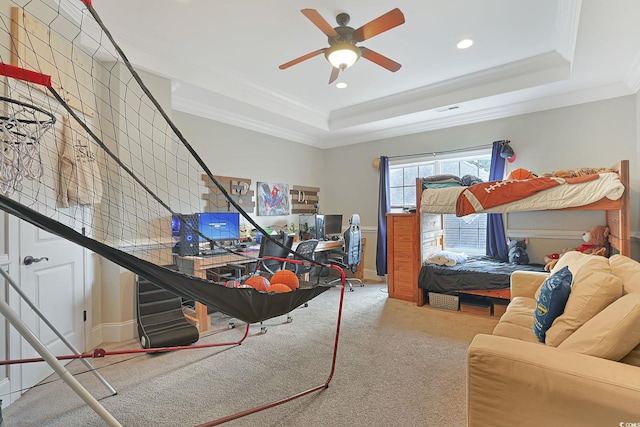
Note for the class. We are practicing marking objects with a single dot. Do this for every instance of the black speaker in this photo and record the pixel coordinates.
(189, 238)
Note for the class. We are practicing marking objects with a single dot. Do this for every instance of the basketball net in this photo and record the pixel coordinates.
(21, 129)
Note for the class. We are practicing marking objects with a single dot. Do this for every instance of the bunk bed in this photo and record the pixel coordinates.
(607, 192)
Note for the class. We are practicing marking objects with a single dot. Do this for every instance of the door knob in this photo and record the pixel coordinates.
(28, 260)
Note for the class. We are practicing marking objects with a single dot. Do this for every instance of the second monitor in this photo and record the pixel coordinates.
(332, 225)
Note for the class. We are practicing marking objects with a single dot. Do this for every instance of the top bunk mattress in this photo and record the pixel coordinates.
(544, 194)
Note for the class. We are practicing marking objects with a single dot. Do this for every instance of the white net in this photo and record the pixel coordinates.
(114, 153)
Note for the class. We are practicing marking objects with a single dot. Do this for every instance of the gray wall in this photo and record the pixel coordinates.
(236, 152)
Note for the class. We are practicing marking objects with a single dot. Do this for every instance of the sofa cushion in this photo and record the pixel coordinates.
(551, 301)
(633, 358)
(593, 289)
(517, 321)
(575, 260)
(610, 334)
(627, 270)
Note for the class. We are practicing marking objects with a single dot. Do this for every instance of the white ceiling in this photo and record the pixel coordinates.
(223, 56)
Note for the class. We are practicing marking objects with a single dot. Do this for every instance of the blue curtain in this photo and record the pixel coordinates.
(383, 210)
(496, 238)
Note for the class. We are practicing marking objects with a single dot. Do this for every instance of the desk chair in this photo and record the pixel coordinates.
(351, 255)
(305, 249)
(268, 248)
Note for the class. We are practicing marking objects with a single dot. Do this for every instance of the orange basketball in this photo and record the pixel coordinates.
(287, 277)
(278, 287)
(258, 282)
(519, 174)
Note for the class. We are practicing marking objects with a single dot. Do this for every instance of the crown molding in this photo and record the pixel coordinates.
(632, 78)
(210, 112)
(568, 20)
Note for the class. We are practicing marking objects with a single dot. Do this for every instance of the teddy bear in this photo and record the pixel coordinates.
(596, 240)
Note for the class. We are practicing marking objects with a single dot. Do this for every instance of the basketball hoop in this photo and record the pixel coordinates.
(21, 129)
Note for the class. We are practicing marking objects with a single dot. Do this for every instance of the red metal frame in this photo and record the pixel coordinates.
(24, 74)
(322, 386)
(100, 352)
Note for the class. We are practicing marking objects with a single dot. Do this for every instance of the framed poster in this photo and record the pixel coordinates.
(273, 199)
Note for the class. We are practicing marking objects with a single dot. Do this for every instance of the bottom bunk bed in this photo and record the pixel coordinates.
(474, 285)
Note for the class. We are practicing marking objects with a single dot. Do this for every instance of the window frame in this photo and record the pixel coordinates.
(437, 161)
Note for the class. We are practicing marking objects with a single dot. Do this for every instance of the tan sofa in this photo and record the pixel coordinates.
(586, 373)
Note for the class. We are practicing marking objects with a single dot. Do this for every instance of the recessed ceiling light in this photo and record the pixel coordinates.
(341, 85)
(463, 44)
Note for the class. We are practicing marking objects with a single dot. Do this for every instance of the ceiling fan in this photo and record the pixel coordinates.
(343, 52)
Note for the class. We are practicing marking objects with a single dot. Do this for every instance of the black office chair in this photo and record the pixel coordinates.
(305, 249)
(351, 255)
(269, 248)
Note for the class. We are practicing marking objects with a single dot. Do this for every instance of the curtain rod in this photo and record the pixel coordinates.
(435, 153)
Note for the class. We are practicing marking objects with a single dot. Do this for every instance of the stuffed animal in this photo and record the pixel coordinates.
(596, 241)
(518, 251)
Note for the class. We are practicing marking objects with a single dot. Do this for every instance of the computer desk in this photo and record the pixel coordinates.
(198, 266)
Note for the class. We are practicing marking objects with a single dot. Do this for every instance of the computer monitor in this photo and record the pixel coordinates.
(218, 226)
(333, 225)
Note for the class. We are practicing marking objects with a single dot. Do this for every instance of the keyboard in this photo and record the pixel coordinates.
(215, 251)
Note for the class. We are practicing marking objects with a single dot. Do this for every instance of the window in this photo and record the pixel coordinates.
(466, 234)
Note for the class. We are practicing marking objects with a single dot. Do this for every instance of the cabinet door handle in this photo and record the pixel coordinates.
(28, 260)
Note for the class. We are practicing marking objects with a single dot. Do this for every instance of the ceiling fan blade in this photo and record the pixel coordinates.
(302, 58)
(319, 22)
(334, 74)
(381, 60)
(389, 20)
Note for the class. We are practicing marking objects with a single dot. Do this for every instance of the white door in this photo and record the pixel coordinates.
(55, 284)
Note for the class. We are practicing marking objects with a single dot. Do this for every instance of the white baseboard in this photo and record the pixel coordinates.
(115, 332)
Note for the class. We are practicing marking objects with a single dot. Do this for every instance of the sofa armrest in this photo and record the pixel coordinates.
(526, 283)
(517, 383)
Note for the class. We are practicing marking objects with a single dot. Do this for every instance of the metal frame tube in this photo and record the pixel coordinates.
(69, 345)
(33, 340)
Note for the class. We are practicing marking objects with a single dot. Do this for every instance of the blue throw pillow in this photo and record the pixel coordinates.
(551, 301)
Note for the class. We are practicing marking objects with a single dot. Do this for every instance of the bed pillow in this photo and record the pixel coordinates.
(611, 334)
(551, 301)
(440, 181)
(447, 258)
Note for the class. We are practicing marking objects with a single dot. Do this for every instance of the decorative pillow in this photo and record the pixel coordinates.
(591, 292)
(551, 301)
(447, 258)
(610, 334)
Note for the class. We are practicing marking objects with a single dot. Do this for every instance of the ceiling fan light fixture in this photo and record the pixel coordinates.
(341, 84)
(343, 55)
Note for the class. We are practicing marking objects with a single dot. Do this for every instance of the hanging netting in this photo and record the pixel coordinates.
(88, 153)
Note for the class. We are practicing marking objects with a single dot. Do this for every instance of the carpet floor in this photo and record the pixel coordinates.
(397, 364)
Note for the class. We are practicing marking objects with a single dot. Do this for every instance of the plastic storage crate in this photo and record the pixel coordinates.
(446, 301)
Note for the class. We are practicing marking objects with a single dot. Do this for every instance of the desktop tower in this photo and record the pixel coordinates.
(189, 238)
